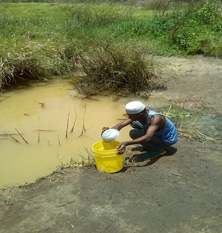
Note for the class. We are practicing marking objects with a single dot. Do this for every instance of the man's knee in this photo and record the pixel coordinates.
(136, 133)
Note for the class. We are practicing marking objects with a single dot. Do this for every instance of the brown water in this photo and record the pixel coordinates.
(40, 114)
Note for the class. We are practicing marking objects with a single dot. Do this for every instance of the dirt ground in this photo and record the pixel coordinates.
(194, 82)
(180, 192)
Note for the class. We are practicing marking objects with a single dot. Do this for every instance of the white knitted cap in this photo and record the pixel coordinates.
(135, 107)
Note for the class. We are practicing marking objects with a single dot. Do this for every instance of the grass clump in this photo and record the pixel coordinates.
(194, 126)
(5, 199)
(33, 64)
(112, 69)
(36, 61)
(85, 161)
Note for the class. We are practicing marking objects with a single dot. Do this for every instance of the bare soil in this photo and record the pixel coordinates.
(193, 82)
(180, 192)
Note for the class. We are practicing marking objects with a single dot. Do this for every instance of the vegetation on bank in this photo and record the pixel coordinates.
(107, 42)
(108, 70)
(193, 125)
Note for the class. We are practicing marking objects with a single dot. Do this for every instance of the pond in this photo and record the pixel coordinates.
(46, 125)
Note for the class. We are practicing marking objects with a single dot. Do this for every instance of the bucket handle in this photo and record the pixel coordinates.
(110, 160)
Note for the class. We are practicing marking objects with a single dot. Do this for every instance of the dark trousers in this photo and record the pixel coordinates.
(154, 143)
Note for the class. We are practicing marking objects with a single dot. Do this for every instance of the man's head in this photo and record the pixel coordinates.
(136, 110)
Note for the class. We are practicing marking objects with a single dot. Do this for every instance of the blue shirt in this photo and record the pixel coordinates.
(168, 134)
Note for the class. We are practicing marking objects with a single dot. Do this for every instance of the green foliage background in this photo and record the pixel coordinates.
(40, 40)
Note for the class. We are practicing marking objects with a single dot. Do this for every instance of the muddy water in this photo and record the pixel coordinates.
(44, 115)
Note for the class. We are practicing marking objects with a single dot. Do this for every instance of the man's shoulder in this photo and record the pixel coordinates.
(156, 118)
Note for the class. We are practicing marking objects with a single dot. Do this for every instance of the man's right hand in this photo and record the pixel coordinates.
(104, 129)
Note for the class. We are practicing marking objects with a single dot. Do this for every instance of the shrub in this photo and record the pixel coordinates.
(189, 31)
(34, 62)
(114, 69)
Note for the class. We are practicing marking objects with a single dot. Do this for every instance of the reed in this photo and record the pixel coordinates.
(67, 125)
(17, 141)
(59, 140)
(22, 136)
(74, 122)
(39, 136)
(83, 125)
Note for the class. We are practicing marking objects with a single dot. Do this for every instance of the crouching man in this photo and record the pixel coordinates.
(152, 130)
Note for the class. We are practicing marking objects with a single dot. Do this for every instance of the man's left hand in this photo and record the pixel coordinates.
(121, 147)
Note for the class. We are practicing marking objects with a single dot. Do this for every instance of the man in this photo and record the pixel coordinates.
(151, 129)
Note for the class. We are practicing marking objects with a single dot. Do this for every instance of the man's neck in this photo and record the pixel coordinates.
(145, 117)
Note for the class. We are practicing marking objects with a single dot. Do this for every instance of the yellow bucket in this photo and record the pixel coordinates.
(106, 156)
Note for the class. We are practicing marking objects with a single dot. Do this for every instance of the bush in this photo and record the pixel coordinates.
(189, 31)
(114, 69)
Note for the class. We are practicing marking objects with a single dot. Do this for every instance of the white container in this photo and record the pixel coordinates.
(110, 135)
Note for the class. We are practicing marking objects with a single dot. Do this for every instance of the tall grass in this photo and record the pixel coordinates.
(41, 40)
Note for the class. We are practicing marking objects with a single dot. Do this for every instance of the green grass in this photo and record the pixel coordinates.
(5, 199)
(86, 160)
(194, 125)
(41, 40)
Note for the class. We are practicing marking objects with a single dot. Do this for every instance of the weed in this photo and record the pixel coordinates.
(86, 161)
(5, 199)
(191, 125)
(61, 166)
(40, 178)
(8, 186)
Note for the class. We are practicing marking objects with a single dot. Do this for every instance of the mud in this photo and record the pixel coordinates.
(178, 192)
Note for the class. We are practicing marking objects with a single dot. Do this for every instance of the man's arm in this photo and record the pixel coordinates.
(155, 124)
(120, 125)
(149, 134)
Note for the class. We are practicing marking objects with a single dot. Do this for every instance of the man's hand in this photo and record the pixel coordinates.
(121, 147)
(104, 129)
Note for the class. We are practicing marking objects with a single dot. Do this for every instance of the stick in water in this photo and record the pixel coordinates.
(74, 122)
(83, 127)
(39, 131)
(39, 136)
(22, 137)
(14, 139)
(67, 126)
(58, 140)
